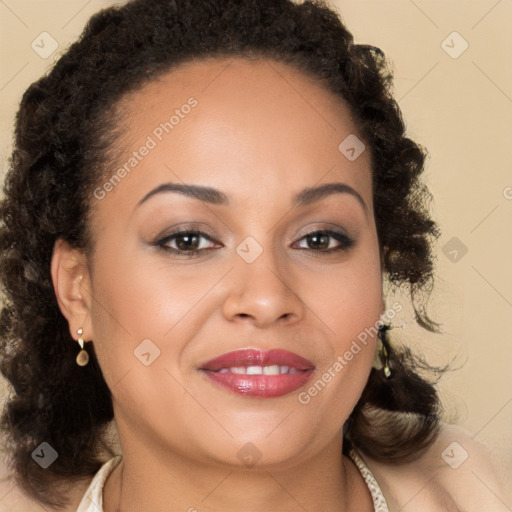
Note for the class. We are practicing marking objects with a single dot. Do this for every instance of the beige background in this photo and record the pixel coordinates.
(460, 109)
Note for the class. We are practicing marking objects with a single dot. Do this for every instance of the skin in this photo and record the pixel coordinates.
(260, 133)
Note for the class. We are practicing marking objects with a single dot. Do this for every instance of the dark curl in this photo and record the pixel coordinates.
(66, 131)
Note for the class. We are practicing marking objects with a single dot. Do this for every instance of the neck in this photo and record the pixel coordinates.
(144, 480)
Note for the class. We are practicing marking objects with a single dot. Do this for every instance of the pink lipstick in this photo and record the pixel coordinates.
(262, 374)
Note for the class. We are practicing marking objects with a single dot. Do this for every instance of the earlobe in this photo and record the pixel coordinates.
(71, 284)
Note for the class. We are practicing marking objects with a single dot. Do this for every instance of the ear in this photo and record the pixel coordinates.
(72, 286)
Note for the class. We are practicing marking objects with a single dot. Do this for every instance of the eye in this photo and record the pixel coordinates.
(327, 240)
(185, 242)
(188, 242)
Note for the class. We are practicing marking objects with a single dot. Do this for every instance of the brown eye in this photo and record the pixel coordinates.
(325, 241)
(185, 242)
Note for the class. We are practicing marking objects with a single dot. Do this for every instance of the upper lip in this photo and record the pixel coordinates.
(255, 357)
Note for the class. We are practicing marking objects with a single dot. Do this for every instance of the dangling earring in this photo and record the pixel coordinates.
(83, 357)
(385, 351)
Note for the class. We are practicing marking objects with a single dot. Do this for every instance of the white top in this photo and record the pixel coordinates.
(93, 497)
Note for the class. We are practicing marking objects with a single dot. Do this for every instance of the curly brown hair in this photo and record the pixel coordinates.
(66, 132)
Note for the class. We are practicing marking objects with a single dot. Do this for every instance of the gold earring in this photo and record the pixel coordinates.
(83, 357)
(385, 350)
(386, 369)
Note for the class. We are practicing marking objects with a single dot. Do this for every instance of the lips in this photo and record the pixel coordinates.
(252, 357)
(263, 374)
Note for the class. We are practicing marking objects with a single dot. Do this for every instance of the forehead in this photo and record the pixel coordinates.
(240, 125)
(225, 86)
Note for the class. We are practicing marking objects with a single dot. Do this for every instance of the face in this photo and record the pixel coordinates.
(258, 268)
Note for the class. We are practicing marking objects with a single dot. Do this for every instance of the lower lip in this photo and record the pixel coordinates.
(260, 386)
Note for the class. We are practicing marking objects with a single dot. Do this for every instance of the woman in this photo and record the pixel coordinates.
(204, 199)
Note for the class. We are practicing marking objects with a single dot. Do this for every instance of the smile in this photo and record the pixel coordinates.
(256, 373)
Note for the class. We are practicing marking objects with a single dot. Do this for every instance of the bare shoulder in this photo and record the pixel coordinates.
(13, 499)
(457, 473)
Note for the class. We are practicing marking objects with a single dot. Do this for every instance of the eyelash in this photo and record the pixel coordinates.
(345, 241)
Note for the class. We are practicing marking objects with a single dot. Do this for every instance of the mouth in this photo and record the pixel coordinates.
(256, 373)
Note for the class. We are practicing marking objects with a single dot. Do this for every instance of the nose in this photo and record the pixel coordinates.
(263, 292)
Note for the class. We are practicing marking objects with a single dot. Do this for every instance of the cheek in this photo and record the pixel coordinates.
(139, 298)
(349, 304)
(349, 300)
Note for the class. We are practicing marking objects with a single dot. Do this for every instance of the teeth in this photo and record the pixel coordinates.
(271, 370)
(254, 370)
(260, 370)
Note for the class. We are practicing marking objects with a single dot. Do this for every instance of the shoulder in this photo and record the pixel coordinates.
(457, 473)
(13, 499)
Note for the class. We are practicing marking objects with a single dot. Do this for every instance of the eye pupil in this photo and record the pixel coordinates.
(323, 238)
(189, 240)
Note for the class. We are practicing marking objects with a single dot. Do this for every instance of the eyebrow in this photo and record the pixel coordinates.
(214, 196)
